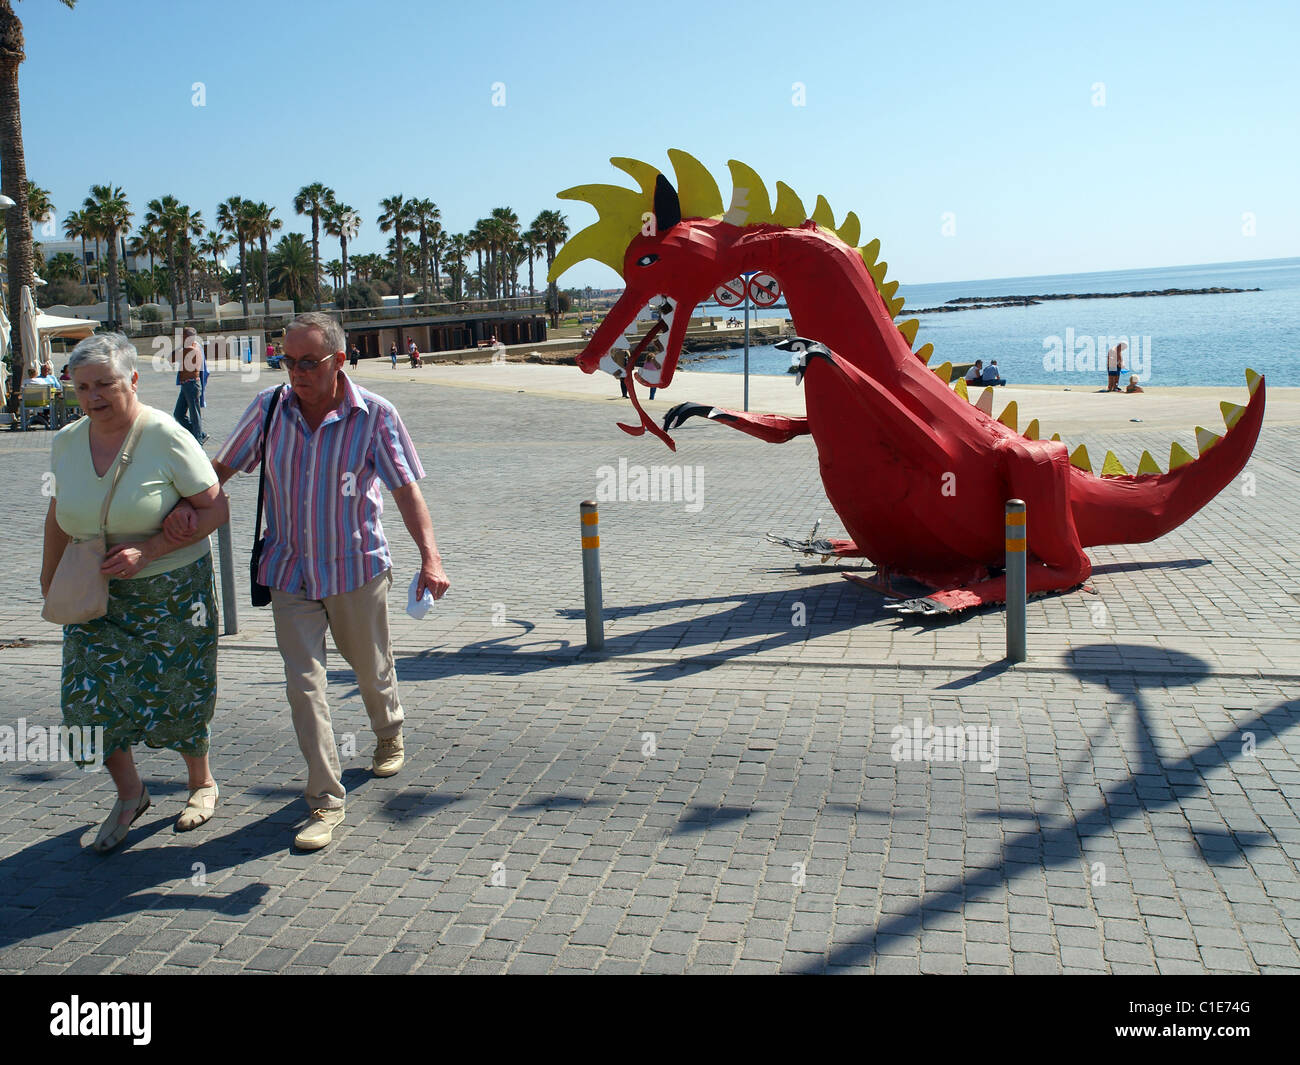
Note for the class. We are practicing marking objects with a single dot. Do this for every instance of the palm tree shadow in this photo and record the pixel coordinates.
(1154, 784)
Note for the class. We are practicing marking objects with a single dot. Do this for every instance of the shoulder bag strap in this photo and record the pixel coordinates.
(261, 477)
(123, 461)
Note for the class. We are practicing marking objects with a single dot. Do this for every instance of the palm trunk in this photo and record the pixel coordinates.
(85, 270)
(243, 276)
(315, 253)
(343, 241)
(172, 279)
(401, 271)
(13, 165)
(424, 264)
(112, 279)
(189, 287)
(266, 278)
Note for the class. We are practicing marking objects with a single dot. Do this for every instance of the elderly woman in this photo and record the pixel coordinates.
(146, 671)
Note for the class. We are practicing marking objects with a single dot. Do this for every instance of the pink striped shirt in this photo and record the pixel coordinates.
(323, 534)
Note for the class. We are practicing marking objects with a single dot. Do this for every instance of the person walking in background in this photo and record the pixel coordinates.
(1114, 364)
(325, 558)
(145, 672)
(189, 367)
(354, 356)
(392, 354)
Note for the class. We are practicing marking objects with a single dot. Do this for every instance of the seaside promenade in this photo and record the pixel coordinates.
(733, 785)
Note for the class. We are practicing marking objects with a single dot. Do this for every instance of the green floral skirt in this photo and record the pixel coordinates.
(146, 671)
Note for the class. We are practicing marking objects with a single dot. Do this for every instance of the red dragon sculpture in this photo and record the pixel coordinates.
(918, 474)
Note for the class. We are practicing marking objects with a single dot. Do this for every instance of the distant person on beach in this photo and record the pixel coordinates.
(992, 375)
(354, 356)
(1133, 385)
(392, 354)
(1114, 363)
(975, 372)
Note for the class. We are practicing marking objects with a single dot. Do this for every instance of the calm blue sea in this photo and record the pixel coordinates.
(1176, 340)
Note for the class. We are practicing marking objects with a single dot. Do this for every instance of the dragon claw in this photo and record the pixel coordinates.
(925, 606)
(808, 547)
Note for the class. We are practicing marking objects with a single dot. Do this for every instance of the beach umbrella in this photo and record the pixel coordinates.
(28, 333)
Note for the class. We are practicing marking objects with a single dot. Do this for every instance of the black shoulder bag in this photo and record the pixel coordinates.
(261, 593)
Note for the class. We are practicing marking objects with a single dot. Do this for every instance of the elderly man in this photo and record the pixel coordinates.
(325, 559)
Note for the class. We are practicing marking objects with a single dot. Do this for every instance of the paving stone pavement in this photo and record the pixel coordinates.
(726, 790)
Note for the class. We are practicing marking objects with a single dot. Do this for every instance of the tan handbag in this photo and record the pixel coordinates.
(79, 591)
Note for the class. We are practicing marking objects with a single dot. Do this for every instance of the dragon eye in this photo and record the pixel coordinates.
(646, 260)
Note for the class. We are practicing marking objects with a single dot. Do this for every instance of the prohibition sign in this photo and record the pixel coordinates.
(731, 294)
(764, 290)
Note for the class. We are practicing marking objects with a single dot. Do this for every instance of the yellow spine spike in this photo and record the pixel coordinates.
(643, 173)
(869, 252)
(877, 273)
(1010, 415)
(1146, 464)
(750, 204)
(1080, 459)
(961, 389)
(1231, 413)
(607, 239)
(789, 209)
(697, 192)
(1205, 439)
(924, 352)
(850, 230)
(908, 329)
(944, 372)
(1056, 438)
(888, 290)
(1031, 430)
(1112, 467)
(1178, 456)
(823, 215)
(895, 305)
(1252, 381)
(985, 402)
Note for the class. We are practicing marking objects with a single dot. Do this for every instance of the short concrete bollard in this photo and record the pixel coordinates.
(226, 564)
(1017, 578)
(591, 593)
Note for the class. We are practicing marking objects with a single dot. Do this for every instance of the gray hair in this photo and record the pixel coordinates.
(109, 349)
(330, 330)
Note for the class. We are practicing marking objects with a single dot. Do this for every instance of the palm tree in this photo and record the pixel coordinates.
(506, 229)
(164, 216)
(397, 216)
(293, 268)
(39, 204)
(62, 266)
(478, 242)
(230, 217)
(536, 248)
(335, 269)
(214, 244)
(552, 228)
(261, 223)
(315, 200)
(425, 214)
(457, 248)
(108, 206)
(343, 222)
(74, 226)
(13, 173)
(191, 227)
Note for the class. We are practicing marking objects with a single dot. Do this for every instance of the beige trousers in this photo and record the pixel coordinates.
(358, 621)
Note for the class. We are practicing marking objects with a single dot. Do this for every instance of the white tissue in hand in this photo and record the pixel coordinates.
(417, 608)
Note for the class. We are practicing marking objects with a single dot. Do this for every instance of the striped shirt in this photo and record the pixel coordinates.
(323, 534)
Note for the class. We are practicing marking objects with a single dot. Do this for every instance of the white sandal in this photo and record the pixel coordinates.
(112, 831)
(198, 809)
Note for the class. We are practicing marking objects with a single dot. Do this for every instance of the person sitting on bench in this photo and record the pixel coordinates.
(975, 372)
(991, 375)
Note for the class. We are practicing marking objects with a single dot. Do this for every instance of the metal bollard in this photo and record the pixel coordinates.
(1017, 579)
(226, 559)
(591, 594)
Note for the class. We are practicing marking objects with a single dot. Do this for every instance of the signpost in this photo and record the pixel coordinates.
(763, 289)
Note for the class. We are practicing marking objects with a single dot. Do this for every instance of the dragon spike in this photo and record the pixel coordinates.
(696, 189)
(644, 174)
(1178, 456)
(850, 230)
(789, 209)
(605, 241)
(895, 305)
(1112, 467)
(985, 402)
(749, 200)
(1031, 430)
(1205, 440)
(1146, 464)
(888, 290)
(877, 273)
(1231, 413)
(944, 372)
(823, 215)
(1010, 415)
(908, 329)
(961, 389)
(1252, 380)
(1079, 459)
(1056, 438)
(924, 352)
(869, 252)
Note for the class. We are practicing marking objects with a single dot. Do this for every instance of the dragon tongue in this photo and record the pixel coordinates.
(646, 421)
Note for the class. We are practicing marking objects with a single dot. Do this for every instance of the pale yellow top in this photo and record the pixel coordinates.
(168, 465)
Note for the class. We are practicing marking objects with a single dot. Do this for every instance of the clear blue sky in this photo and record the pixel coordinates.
(912, 110)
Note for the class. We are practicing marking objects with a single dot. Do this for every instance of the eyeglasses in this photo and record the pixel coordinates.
(305, 365)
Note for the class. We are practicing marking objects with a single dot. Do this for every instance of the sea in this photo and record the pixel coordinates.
(1173, 340)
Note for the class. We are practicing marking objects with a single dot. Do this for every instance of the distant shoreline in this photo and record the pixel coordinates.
(983, 303)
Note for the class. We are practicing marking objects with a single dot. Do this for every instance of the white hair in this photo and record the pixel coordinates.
(107, 349)
(330, 330)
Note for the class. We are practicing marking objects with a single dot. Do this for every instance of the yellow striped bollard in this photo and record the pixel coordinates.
(1017, 578)
(591, 593)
